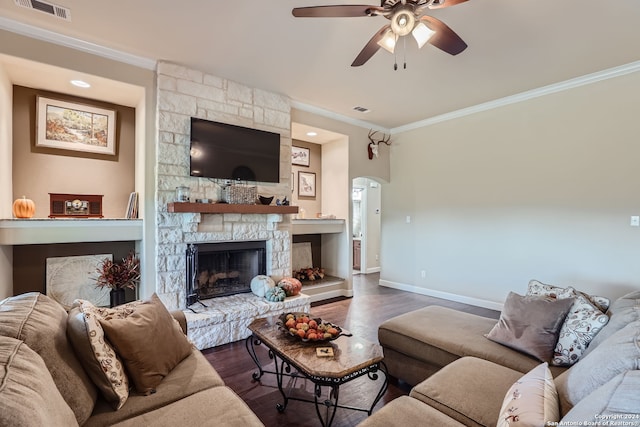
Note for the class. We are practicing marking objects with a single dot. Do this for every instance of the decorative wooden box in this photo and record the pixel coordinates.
(75, 205)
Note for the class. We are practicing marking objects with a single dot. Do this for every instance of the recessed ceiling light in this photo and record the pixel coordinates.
(80, 83)
(312, 133)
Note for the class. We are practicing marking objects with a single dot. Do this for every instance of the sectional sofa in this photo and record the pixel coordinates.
(55, 369)
(462, 377)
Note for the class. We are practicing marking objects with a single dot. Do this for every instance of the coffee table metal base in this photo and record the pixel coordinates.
(283, 368)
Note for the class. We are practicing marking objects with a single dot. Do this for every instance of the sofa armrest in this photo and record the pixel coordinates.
(181, 318)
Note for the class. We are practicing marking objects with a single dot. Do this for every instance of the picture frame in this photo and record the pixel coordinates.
(73, 126)
(300, 156)
(306, 184)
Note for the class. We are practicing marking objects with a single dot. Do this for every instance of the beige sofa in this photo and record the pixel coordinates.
(43, 381)
(462, 378)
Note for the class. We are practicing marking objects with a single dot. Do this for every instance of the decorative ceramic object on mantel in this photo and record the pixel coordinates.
(119, 276)
(24, 208)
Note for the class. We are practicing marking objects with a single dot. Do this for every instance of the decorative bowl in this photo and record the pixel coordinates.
(265, 200)
(325, 331)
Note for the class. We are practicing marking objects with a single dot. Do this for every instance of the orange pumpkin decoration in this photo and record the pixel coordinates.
(24, 208)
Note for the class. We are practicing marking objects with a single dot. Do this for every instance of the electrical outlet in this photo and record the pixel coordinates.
(423, 274)
(635, 221)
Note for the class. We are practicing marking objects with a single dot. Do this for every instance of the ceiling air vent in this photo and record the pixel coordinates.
(46, 7)
(361, 109)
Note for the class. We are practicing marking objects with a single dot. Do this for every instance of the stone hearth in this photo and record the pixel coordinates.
(226, 319)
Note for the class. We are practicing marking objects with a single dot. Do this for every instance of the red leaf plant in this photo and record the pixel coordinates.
(124, 274)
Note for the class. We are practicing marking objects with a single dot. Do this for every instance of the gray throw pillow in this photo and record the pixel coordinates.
(623, 311)
(531, 324)
(616, 403)
(619, 353)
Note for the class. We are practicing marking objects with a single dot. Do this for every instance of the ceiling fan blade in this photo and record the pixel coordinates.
(339, 11)
(446, 3)
(444, 38)
(370, 48)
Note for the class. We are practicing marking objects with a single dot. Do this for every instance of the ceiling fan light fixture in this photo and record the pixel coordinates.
(388, 41)
(403, 22)
(422, 34)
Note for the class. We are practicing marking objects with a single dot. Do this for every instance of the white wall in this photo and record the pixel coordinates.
(539, 189)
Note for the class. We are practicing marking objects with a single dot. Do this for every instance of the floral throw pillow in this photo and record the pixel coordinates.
(96, 353)
(581, 325)
(584, 320)
(531, 401)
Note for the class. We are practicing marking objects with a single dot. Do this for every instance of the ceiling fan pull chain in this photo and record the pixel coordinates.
(404, 51)
(395, 61)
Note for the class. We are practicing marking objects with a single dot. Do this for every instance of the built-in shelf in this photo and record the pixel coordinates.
(317, 226)
(68, 230)
(220, 208)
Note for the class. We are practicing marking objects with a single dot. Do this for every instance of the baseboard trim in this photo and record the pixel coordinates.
(331, 294)
(444, 295)
(372, 270)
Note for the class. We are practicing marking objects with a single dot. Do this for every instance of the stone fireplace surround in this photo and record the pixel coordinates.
(184, 93)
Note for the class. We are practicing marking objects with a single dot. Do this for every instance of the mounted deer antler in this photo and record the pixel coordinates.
(372, 147)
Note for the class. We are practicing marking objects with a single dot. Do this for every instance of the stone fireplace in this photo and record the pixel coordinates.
(184, 93)
(223, 268)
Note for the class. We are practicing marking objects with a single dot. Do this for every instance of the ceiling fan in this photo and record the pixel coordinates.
(406, 16)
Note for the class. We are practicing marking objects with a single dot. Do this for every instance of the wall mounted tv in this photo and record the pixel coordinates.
(230, 152)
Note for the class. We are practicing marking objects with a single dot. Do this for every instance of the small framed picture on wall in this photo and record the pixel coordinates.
(306, 184)
(299, 156)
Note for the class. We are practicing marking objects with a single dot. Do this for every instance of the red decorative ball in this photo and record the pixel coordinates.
(290, 286)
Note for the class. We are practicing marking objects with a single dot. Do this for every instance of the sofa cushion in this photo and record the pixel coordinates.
(28, 394)
(435, 336)
(532, 401)
(483, 385)
(407, 411)
(531, 324)
(191, 376)
(41, 323)
(617, 402)
(149, 341)
(213, 407)
(619, 353)
(96, 353)
(622, 312)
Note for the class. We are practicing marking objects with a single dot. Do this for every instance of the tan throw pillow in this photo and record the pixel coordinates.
(531, 324)
(28, 395)
(148, 342)
(531, 401)
(96, 354)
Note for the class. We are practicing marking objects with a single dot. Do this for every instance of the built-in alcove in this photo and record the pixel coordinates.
(30, 261)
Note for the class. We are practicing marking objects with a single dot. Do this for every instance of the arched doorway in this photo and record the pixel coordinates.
(366, 200)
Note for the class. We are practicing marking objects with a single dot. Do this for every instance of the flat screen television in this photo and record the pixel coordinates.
(224, 151)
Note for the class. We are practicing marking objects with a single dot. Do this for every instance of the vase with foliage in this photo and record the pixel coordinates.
(118, 276)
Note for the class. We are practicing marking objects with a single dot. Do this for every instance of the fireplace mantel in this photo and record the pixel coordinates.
(221, 208)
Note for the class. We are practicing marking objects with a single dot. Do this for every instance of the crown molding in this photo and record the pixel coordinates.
(524, 96)
(71, 42)
(335, 116)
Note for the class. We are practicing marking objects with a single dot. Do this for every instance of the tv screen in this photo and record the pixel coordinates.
(224, 151)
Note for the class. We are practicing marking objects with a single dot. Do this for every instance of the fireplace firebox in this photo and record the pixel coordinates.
(221, 269)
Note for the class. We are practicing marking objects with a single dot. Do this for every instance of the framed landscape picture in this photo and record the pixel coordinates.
(77, 127)
(306, 184)
(299, 156)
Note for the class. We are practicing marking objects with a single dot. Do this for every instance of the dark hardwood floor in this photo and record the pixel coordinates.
(371, 305)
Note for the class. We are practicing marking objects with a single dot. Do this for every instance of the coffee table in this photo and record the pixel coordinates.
(352, 358)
